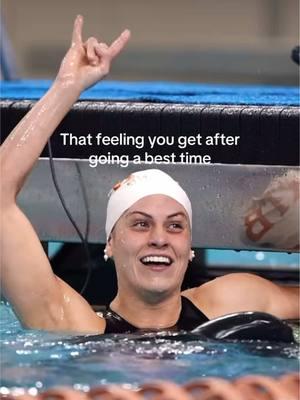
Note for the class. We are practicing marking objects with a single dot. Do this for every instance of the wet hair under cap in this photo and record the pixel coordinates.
(139, 185)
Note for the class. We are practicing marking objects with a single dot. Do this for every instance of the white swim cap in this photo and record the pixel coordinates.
(141, 184)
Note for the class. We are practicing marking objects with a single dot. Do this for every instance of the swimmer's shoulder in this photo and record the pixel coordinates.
(87, 322)
(199, 299)
(94, 324)
(229, 293)
(77, 314)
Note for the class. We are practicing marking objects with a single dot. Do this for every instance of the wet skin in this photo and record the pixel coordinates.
(156, 226)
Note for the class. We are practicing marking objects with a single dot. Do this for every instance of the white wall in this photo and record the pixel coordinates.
(197, 40)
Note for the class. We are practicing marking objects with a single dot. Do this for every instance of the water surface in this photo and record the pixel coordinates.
(33, 359)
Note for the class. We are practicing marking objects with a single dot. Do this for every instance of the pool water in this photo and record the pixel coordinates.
(33, 359)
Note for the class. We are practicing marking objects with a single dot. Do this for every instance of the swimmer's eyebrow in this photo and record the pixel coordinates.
(138, 212)
(179, 213)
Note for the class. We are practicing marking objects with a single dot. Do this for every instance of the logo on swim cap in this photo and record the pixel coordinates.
(127, 181)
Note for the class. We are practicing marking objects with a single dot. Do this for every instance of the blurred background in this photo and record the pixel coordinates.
(230, 41)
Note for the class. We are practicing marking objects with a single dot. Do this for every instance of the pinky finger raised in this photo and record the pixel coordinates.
(117, 46)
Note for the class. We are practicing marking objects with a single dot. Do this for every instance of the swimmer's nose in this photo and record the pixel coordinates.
(158, 237)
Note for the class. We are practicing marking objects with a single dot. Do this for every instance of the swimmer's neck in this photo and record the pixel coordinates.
(143, 314)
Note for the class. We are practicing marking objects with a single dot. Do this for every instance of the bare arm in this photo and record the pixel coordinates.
(84, 65)
(40, 299)
(246, 292)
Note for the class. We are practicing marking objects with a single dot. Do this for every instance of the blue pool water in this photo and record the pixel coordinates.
(32, 359)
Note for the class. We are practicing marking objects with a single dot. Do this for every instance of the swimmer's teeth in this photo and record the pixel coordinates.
(156, 259)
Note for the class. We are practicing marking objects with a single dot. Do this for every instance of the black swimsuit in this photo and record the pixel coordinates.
(190, 317)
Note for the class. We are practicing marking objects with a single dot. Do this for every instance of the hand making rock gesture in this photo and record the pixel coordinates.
(89, 62)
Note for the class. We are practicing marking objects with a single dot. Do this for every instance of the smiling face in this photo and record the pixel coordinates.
(151, 246)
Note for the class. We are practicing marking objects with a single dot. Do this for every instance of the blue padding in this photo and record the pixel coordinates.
(184, 93)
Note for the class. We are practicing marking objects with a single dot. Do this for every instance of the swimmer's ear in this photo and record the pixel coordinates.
(108, 247)
(192, 255)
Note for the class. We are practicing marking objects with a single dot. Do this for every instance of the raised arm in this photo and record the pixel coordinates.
(84, 65)
(40, 299)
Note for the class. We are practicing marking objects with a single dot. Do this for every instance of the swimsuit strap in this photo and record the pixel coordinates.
(190, 316)
(116, 324)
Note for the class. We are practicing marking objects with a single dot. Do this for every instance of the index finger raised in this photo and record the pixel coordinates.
(117, 46)
(77, 30)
